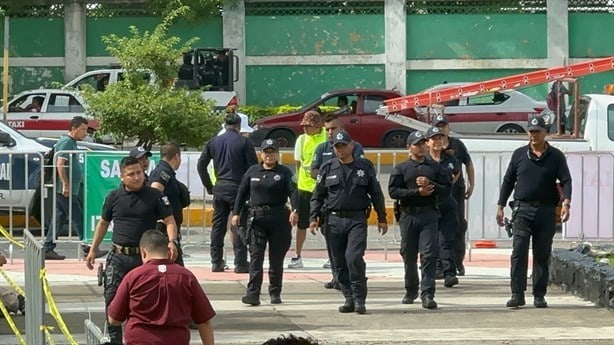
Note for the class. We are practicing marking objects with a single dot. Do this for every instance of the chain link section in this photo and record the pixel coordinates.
(475, 6)
(313, 8)
(591, 6)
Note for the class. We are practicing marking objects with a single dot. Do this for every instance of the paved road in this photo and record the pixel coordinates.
(471, 313)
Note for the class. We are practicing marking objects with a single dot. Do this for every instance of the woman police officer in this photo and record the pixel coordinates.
(448, 220)
(267, 186)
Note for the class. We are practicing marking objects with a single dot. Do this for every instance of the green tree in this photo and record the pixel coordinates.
(145, 105)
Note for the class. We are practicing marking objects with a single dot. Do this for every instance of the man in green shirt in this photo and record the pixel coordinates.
(304, 150)
(67, 183)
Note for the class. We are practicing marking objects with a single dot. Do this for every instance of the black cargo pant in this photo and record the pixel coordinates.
(329, 252)
(419, 235)
(118, 265)
(538, 222)
(272, 227)
(458, 193)
(448, 228)
(347, 235)
(224, 194)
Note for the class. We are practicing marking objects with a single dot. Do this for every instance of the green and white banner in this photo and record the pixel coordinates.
(102, 175)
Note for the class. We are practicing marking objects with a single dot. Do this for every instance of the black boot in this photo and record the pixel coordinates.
(251, 300)
(540, 302)
(428, 302)
(516, 301)
(359, 306)
(347, 307)
(409, 297)
(450, 280)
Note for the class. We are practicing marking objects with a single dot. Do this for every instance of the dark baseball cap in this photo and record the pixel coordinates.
(268, 144)
(433, 131)
(341, 137)
(415, 137)
(537, 123)
(139, 151)
(439, 119)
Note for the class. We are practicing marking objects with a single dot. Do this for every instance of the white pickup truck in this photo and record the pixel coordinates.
(596, 132)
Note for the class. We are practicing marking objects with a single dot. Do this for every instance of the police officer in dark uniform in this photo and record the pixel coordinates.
(267, 186)
(133, 208)
(347, 186)
(461, 189)
(325, 152)
(163, 178)
(143, 155)
(448, 210)
(232, 155)
(533, 173)
(416, 183)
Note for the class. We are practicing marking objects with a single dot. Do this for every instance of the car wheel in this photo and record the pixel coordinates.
(396, 139)
(511, 129)
(282, 137)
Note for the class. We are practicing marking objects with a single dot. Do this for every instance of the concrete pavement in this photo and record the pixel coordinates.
(472, 312)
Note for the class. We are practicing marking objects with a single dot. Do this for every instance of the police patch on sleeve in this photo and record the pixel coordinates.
(165, 201)
(165, 176)
(293, 178)
(319, 178)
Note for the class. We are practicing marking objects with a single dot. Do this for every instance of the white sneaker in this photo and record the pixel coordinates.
(326, 264)
(296, 262)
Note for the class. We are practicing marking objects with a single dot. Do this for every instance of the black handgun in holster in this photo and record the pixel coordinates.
(396, 208)
(102, 278)
(246, 219)
(508, 223)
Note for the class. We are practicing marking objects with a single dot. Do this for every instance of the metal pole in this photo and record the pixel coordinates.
(5, 72)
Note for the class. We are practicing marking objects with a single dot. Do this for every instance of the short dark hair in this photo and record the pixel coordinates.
(169, 150)
(290, 340)
(330, 117)
(154, 241)
(232, 119)
(128, 161)
(77, 121)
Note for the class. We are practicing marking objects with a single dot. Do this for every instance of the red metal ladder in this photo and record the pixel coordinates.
(429, 98)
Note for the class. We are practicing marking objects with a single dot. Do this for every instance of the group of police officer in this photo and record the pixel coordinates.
(346, 189)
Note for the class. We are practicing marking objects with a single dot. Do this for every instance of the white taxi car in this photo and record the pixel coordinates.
(46, 112)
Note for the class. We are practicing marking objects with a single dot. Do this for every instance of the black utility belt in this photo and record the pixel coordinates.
(266, 209)
(348, 214)
(116, 248)
(520, 203)
(417, 209)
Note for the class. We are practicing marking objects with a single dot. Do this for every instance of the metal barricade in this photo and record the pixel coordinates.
(93, 334)
(592, 176)
(35, 301)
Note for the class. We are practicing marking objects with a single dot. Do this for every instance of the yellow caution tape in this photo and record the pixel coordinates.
(11, 283)
(53, 308)
(46, 329)
(9, 319)
(10, 238)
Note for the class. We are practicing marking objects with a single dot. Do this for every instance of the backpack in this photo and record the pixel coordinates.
(551, 100)
(184, 194)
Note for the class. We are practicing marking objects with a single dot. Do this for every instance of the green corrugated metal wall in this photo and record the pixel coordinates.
(431, 36)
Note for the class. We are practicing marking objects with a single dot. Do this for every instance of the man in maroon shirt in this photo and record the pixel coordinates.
(159, 298)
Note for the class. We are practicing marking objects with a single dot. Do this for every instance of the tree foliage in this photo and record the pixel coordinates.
(199, 10)
(151, 109)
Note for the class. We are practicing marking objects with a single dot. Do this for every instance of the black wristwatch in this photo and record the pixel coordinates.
(175, 242)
